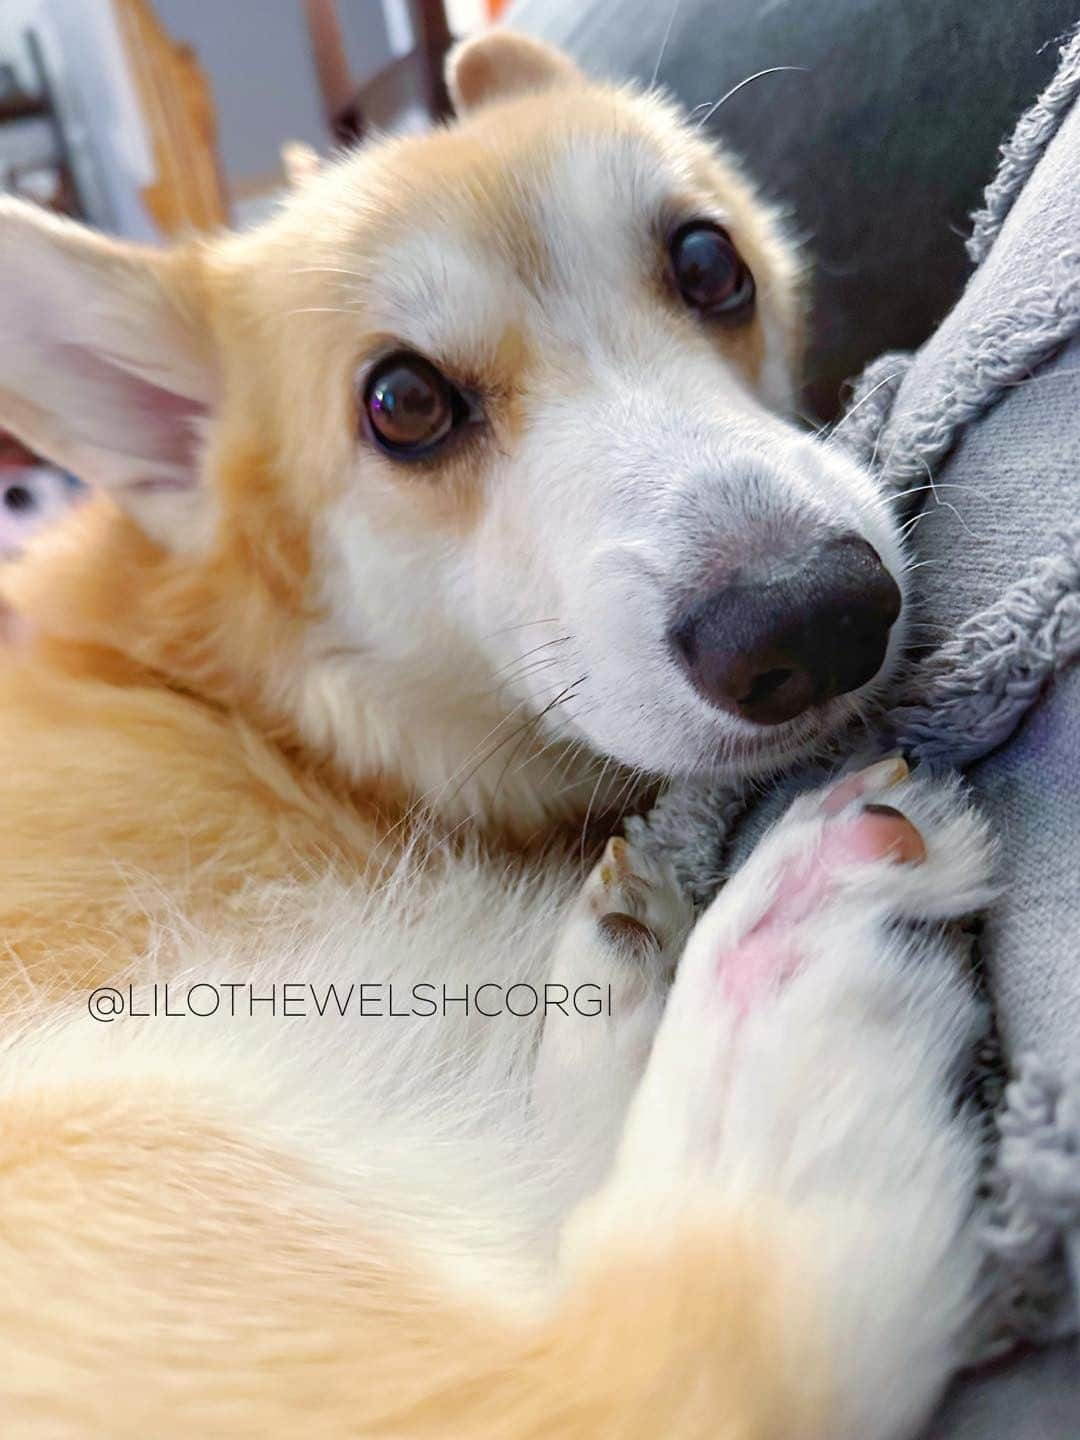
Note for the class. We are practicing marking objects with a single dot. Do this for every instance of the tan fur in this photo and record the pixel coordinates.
(503, 64)
(296, 1318)
(161, 759)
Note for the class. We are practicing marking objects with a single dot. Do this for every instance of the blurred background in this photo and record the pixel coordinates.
(147, 117)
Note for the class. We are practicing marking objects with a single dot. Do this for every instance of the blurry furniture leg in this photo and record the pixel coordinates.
(178, 108)
(433, 39)
(343, 113)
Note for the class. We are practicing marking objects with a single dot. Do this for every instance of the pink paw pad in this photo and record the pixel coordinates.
(769, 954)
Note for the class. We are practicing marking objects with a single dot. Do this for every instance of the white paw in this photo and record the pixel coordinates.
(806, 1065)
(797, 978)
(624, 935)
(869, 848)
(636, 906)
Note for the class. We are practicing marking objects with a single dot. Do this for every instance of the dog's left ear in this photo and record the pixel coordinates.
(499, 64)
(107, 365)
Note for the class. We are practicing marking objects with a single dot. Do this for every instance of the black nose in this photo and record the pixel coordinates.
(768, 648)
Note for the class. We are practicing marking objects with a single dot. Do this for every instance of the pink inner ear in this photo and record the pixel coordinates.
(132, 417)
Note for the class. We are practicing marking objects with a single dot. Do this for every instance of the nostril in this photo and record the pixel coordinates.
(18, 498)
(683, 636)
(765, 686)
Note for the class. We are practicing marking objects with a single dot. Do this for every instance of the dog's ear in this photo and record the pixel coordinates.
(499, 64)
(106, 365)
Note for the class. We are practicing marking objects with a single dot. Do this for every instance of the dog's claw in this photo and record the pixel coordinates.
(880, 776)
(636, 900)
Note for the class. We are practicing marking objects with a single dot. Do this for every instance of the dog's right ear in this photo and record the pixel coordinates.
(107, 365)
(499, 64)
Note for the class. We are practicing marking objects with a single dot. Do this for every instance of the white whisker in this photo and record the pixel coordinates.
(772, 70)
(664, 44)
(860, 403)
(326, 270)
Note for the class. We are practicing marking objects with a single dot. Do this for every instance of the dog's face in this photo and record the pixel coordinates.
(514, 391)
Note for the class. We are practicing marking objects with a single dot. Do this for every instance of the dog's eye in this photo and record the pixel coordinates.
(411, 406)
(709, 271)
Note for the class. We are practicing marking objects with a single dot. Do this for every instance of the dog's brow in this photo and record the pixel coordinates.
(441, 295)
(464, 262)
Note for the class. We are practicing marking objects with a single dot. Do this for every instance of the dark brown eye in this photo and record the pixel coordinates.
(412, 407)
(709, 271)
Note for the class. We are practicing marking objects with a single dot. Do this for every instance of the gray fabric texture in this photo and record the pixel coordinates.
(880, 145)
(1022, 153)
(1035, 1400)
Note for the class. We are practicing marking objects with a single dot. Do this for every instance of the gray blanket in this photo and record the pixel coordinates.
(988, 414)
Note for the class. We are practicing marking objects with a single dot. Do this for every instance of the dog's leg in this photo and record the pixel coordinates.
(807, 1064)
(613, 962)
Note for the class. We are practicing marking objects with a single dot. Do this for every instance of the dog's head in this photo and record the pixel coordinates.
(506, 404)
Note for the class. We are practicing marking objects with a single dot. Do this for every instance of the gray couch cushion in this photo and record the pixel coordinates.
(881, 148)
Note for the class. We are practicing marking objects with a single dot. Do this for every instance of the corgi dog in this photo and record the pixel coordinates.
(345, 1087)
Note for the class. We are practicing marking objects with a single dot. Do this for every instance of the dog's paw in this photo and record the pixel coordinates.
(635, 904)
(956, 875)
(625, 931)
(623, 934)
(871, 847)
(801, 1009)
